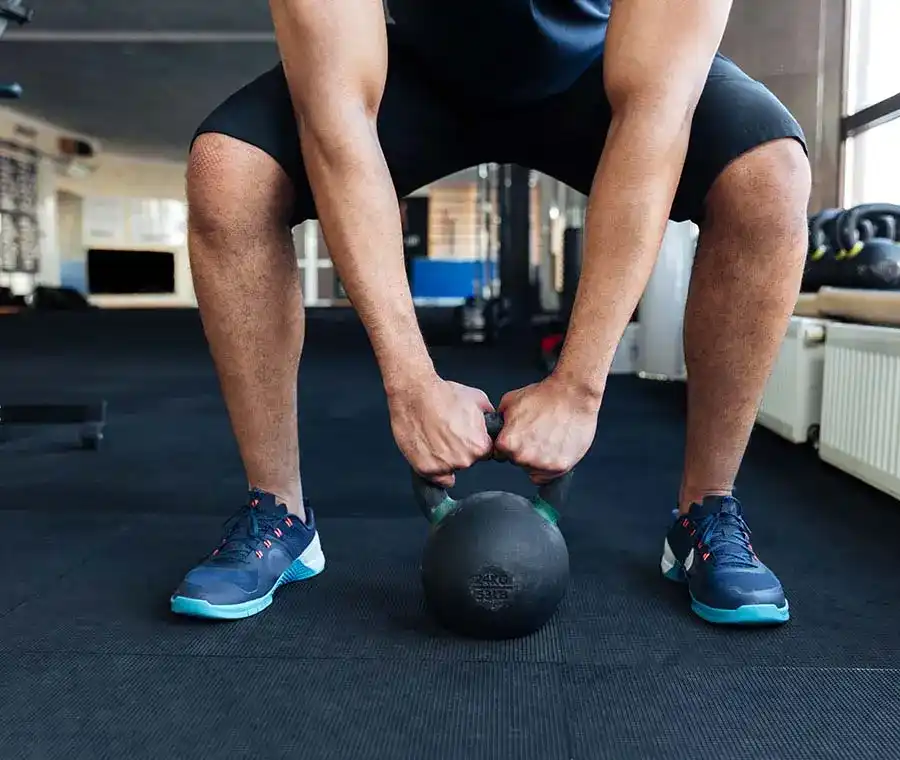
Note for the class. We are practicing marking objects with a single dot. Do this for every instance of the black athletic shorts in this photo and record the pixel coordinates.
(429, 129)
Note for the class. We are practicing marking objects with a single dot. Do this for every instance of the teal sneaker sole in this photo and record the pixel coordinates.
(307, 565)
(746, 615)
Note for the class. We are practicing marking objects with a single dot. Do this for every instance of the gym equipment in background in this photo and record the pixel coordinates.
(553, 332)
(43, 298)
(573, 240)
(19, 249)
(470, 320)
(12, 11)
(495, 565)
(886, 227)
(481, 320)
(20, 253)
(660, 352)
(865, 260)
(414, 223)
(485, 315)
(91, 419)
(819, 269)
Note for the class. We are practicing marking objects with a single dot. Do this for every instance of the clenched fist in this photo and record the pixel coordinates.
(548, 428)
(439, 427)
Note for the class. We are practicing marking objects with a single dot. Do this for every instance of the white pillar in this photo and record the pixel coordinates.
(48, 238)
(310, 262)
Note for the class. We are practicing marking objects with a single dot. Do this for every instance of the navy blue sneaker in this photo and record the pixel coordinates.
(710, 550)
(264, 548)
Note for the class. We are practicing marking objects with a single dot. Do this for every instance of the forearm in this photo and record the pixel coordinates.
(359, 213)
(335, 60)
(657, 58)
(625, 222)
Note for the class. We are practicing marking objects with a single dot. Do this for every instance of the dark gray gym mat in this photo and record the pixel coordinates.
(93, 665)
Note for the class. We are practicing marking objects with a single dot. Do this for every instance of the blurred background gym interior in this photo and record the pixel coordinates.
(118, 467)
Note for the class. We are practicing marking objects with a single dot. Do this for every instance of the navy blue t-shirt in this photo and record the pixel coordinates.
(504, 49)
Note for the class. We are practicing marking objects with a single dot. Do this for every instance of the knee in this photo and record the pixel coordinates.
(235, 189)
(764, 194)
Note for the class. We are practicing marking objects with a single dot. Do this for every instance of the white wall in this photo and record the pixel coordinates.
(122, 179)
(127, 177)
(67, 188)
(107, 175)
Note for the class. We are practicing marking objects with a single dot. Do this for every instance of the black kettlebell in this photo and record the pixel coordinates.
(819, 269)
(495, 565)
(869, 261)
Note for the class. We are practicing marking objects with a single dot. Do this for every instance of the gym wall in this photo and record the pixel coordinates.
(130, 204)
(64, 186)
(454, 236)
(796, 49)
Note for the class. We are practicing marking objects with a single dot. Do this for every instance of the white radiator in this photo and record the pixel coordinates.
(860, 431)
(792, 402)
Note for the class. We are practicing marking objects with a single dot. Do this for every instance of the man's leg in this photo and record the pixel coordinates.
(744, 286)
(242, 202)
(248, 289)
(246, 186)
(746, 181)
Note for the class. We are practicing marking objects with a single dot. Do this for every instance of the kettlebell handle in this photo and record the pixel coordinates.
(848, 235)
(818, 242)
(436, 503)
(493, 421)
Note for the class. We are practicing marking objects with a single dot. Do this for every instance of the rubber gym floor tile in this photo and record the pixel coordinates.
(367, 603)
(610, 627)
(42, 548)
(117, 600)
(733, 712)
(113, 707)
(626, 613)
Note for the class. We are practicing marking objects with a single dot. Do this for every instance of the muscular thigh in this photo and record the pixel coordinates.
(565, 135)
(425, 133)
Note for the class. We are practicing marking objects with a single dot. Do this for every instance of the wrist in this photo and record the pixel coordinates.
(585, 389)
(407, 376)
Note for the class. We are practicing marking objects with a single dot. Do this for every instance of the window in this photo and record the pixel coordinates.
(873, 53)
(871, 125)
(872, 166)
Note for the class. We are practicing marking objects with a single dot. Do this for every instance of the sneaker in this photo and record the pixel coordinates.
(710, 550)
(264, 547)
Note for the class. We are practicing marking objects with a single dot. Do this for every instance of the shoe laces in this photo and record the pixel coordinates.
(244, 530)
(728, 538)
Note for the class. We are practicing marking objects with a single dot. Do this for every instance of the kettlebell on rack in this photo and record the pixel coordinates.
(819, 270)
(868, 262)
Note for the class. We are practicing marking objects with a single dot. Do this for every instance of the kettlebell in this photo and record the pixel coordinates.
(495, 564)
(886, 227)
(868, 261)
(819, 269)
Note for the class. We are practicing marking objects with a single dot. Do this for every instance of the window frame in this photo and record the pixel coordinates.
(854, 123)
